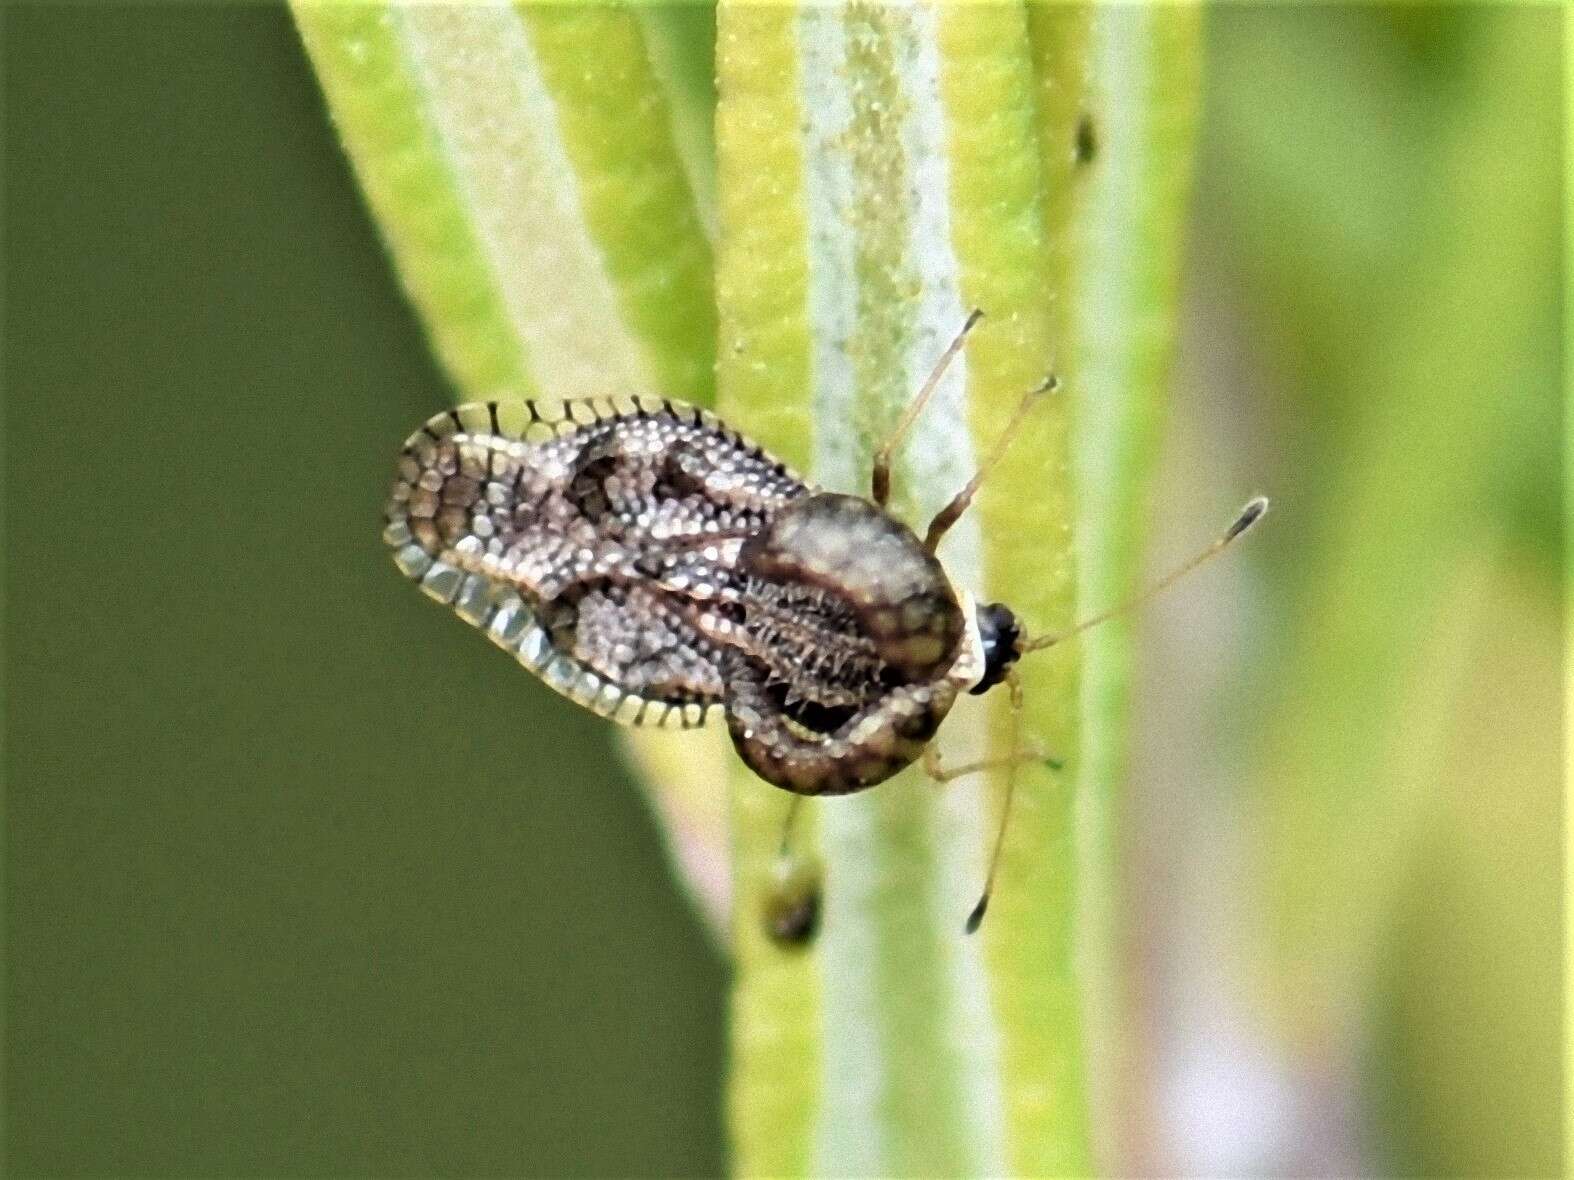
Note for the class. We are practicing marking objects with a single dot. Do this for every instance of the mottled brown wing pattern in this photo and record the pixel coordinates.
(596, 539)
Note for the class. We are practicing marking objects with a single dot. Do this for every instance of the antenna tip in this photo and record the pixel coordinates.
(1250, 515)
(972, 318)
(976, 918)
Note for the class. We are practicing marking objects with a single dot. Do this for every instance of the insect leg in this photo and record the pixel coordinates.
(1021, 751)
(880, 482)
(936, 769)
(792, 903)
(794, 805)
(953, 511)
(977, 916)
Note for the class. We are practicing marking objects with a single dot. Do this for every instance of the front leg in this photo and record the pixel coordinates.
(1031, 752)
(880, 478)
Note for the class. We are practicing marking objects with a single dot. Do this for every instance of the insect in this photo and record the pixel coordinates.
(659, 568)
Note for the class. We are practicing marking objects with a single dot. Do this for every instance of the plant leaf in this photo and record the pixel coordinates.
(534, 170)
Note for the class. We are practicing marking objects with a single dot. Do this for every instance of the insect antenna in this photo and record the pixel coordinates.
(953, 511)
(784, 849)
(880, 480)
(1014, 682)
(1249, 515)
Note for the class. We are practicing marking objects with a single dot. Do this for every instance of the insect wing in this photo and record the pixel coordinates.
(596, 539)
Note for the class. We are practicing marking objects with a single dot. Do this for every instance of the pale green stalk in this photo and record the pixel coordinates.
(534, 171)
(879, 170)
(879, 176)
(1568, 584)
(1138, 124)
(882, 169)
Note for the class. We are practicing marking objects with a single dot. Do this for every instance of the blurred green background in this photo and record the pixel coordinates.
(302, 878)
(1345, 839)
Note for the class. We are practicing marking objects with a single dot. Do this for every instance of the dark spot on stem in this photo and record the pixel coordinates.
(1086, 145)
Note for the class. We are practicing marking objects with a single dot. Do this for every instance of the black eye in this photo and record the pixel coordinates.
(999, 631)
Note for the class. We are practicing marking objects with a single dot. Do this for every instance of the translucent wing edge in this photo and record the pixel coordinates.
(498, 609)
(500, 613)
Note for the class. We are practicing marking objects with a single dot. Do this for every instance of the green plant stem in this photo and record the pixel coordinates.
(541, 175)
(879, 170)
(1131, 158)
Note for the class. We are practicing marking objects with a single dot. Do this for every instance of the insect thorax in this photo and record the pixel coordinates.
(847, 602)
(847, 675)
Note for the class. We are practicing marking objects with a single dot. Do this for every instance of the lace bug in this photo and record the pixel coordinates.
(657, 567)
